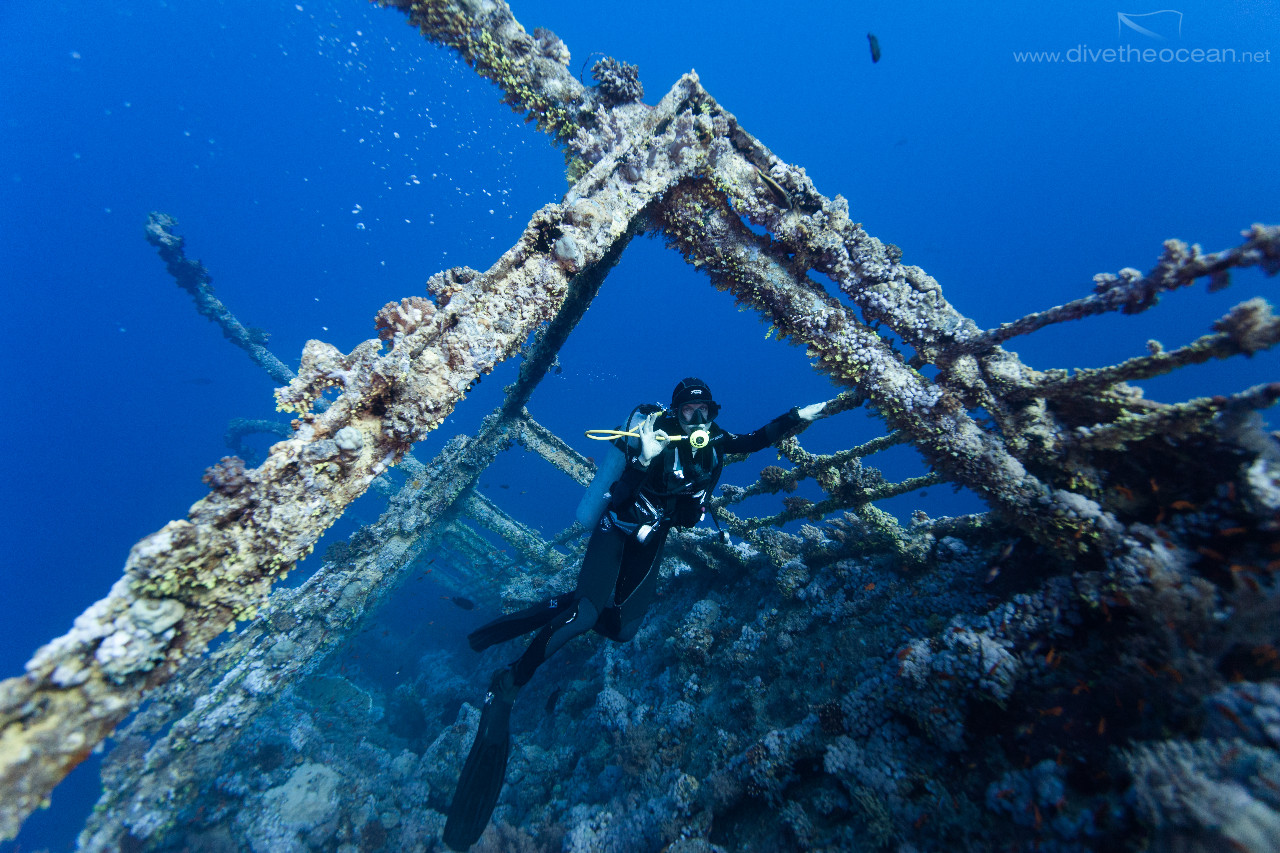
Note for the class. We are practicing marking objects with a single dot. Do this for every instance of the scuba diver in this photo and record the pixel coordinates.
(659, 474)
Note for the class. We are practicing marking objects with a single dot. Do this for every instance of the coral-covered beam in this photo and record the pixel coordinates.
(528, 544)
(531, 69)
(1130, 292)
(853, 354)
(542, 441)
(816, 233)
(1247, 329)
(192, 277)
(1175, 421)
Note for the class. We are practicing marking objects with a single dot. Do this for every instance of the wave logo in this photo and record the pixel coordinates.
(1157, 25)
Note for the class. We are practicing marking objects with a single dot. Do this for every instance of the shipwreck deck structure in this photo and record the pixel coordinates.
(1162, 583)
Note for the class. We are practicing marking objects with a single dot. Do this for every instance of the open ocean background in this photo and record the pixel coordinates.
(322, 160)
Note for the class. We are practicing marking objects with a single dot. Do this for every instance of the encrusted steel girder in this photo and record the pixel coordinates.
(535, 437)
(299, 628)
(1130, 292)
(531, 547)
(192, 277)
(852, 353)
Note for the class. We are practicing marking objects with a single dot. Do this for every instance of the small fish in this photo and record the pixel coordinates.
(553, 699)
(1005, 551)
(875, 47)
(464, 603)
(779, 194)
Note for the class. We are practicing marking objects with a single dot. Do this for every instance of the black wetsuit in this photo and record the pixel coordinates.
(619, 575)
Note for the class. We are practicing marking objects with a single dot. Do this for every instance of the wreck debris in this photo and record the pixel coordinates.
(1047, 462)
(194, 278)
(1130, 292)
(298, 629)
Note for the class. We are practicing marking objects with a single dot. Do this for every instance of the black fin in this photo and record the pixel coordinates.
(482, 777)
(516, 624)
(491, 633)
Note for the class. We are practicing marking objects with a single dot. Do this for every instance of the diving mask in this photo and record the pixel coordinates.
(694, 419)
(694, 414)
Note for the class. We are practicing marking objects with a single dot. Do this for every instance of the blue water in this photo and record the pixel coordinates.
(322, 160)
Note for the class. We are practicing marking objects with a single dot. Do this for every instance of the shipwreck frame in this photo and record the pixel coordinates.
(1061, 459)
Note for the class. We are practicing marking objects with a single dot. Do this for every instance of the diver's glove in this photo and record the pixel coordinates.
(651, 440)
(812, 412)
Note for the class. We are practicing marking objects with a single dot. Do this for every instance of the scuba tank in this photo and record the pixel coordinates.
(592, 505)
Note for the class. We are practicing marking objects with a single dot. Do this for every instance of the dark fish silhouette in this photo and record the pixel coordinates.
(875, 47)
(553, 698)
(464, 603)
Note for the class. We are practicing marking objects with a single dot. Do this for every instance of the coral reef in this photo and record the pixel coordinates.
(618, 82)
